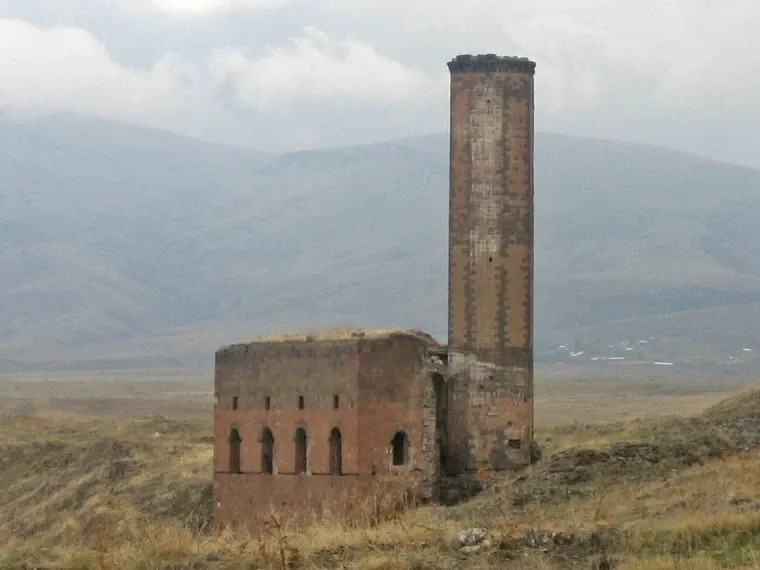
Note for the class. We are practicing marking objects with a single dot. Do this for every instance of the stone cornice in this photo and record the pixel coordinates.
(491, 62)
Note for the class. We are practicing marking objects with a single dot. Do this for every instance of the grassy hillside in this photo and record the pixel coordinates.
(125, 247)
(93, 491)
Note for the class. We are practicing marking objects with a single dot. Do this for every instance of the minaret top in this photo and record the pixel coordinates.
(491, 62)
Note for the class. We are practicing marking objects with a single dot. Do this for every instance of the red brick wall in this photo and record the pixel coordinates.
(247, 500)
(283, 372)
(382, 385)
(395, 393)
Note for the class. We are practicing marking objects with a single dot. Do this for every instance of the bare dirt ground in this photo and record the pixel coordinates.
(114, 470)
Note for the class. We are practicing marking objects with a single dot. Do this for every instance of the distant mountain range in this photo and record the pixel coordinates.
(123, 247)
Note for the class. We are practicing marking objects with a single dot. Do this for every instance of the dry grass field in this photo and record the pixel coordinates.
(114, 471)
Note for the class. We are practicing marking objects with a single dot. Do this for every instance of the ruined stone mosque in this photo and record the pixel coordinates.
(307, 423)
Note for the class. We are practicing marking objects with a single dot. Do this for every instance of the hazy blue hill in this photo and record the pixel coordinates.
(133, 247)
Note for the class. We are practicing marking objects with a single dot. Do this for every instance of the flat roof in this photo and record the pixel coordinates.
(337, 335)
(341, 334)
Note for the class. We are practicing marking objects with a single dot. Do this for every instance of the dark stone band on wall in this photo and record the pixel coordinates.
(491, 62)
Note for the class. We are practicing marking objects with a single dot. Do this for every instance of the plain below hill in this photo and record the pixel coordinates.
(133, 248)
(672, 492)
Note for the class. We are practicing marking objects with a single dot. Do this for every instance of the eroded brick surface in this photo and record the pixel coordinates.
(491, 263)
(250, 501)
(382, 385)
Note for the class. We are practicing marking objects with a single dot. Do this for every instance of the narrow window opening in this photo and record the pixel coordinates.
(300, 441)
(234, 442)
(336, 401)
(400, 445)
(234, 402)
(514, 443)
(267, 403)
(267, 452)
(490, 258)
(300, 402)
(336, 452)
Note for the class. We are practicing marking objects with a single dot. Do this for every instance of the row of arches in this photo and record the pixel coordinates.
(300, 442)
(399, 451)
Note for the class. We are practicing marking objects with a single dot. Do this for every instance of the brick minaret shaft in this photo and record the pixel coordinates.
(491, 262)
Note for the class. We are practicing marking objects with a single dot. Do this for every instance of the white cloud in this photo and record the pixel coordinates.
(316, 68)
(660, 71)
(205, 7)
(585, 49)
(680, 73)
(68, 69)
(674, 46)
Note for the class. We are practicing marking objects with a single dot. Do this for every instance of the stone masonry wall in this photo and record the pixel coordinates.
(249, 501)
(396, 394)
(491, 262)
(381, 387)
(283, 372)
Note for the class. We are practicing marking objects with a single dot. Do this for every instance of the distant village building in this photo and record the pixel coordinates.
(308, 424)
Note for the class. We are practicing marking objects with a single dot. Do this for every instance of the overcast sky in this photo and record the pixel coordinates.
(287, 74)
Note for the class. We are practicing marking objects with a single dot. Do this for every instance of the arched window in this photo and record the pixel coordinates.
(300, 440)
(336, 452)
(235, 442)
(267, 451)
(400, 444)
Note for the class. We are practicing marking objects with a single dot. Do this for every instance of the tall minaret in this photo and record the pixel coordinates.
(491, 262)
